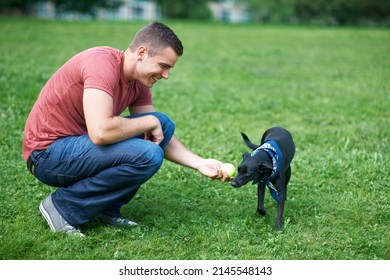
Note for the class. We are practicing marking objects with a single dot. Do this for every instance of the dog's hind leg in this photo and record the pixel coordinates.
(288, 176)
(260, 199)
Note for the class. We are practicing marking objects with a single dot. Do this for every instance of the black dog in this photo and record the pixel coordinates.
(269, 162)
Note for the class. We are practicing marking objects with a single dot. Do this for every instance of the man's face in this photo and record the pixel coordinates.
(152, 68)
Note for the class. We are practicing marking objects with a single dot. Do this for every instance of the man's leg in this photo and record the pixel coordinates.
(94, 179)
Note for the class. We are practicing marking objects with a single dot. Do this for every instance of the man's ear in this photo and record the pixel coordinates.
(142, 53)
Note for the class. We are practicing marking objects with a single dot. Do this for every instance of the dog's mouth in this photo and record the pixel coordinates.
(238, 182)
(235, 184)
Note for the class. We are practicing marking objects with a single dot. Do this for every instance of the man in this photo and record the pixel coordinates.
(76, 140)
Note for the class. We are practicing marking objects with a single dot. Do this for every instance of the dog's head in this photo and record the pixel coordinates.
(250, 169)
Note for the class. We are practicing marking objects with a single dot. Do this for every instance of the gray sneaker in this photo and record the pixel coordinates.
(117, 221)
(56, 222)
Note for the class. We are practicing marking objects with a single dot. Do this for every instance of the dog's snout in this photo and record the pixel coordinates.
(234, 184)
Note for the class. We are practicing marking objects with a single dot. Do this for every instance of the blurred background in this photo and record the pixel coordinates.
(319, 12)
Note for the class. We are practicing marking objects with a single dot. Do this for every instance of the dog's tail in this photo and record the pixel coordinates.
(248, 142)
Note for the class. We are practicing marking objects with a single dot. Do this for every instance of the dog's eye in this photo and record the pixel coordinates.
(243, 171)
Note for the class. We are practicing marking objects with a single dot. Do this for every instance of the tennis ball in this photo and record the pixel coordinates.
(228, 168)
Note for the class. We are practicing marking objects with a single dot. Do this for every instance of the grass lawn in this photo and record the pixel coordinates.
(329, 86)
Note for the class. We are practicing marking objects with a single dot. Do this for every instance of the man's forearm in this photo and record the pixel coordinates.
(178, 153)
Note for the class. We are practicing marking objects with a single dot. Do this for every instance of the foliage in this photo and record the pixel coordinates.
(343, 11)
(335, 12)
(328, 11)
(22, 5)
(271, 10)
(328, 85)
(80, 6)
(181, 9)
(85, 6)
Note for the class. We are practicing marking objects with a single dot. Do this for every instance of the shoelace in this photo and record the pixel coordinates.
(124, 221)
(73, 231)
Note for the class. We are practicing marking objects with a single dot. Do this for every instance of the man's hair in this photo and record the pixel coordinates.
(157, 37)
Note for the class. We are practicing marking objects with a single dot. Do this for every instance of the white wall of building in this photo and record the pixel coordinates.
(129, 10)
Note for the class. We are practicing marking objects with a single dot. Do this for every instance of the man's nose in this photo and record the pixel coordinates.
(165, 74)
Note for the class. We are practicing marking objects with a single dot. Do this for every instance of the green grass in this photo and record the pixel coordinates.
(329, 86)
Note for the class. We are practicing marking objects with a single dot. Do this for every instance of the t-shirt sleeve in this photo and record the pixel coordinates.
(144, 96)
(100, 70)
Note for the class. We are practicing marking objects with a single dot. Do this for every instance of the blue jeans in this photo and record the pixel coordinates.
(98, 179)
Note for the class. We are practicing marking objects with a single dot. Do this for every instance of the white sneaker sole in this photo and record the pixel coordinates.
(46, 216)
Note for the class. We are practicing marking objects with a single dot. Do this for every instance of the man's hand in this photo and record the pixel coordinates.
(104, 128)
(155, 135)
(212, 169)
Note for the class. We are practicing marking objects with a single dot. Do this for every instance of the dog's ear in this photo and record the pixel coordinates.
(264, 166)
(245, 155)
(265, 169)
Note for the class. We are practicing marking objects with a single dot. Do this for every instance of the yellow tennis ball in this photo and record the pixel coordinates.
(228, 168)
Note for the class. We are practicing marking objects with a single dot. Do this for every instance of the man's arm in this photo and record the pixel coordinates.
(105, 128)
(178, 153)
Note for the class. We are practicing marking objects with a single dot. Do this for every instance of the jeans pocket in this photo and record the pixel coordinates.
(59, 180)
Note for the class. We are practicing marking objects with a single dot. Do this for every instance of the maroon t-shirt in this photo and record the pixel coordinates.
(58, 111)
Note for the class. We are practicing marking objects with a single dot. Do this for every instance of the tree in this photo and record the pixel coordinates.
(327, 11)
(343, 11)
(81, 6)
(270, 10)
(22, 6)
(184, 9)
(86, 6)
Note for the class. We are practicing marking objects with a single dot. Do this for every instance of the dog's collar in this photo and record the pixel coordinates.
(273, 150)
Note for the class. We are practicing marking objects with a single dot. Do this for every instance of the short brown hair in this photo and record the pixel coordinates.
(156, 37)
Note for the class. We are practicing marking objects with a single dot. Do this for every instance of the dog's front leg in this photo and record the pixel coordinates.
(280, 186)
(279, 218)
(260, 199)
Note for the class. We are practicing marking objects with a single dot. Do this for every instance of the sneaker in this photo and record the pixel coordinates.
(56, 222)
(117, 221)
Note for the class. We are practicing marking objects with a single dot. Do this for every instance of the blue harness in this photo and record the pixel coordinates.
(274, 152)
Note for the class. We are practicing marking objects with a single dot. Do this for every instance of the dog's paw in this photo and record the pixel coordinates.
(262, 212)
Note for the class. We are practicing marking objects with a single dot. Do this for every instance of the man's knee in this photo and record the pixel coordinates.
(151, 156)
(165, 121)
(168, 127)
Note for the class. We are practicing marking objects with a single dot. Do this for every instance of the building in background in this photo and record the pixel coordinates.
(132, 10)
(128, 10)
(229, 11)
(223, 10)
